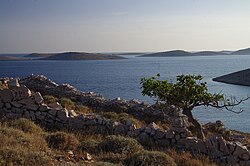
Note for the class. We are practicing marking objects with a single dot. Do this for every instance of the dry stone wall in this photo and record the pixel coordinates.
(17, 101)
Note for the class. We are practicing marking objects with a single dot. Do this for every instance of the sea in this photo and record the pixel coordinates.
(121, 78)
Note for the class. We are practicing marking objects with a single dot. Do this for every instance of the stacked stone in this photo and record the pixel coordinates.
(45, 86)
(17, 101)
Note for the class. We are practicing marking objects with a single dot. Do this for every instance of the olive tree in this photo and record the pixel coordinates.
(188, 92)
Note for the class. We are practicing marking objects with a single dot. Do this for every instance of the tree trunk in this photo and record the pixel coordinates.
(197, 125)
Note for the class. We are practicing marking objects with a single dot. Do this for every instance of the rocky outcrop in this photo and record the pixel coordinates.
(238, 78)
(17, 101)
(97, 102)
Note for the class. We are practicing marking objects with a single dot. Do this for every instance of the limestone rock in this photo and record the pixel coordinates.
(153, 126)
(143, 138)
(242, 152)
(62, 114)
(13, 83)
(43, 107)
(159, 134)
(16, 104)
(223, 146)
(169, 134)
(24, 92)
(6, 95)
(38, 97)
(163, 142)
(72, 113)
(55, 105)
(1, 104)
(147, 130)
(7, 105)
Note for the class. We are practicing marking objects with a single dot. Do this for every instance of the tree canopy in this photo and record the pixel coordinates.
(188, 92)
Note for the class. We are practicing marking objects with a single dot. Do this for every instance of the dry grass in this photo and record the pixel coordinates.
(62, 141)
(145, 158)
(122, 117)
(186, 159)
(20, 148)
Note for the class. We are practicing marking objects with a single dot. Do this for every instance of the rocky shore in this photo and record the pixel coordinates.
(23, 98)
(238, 78)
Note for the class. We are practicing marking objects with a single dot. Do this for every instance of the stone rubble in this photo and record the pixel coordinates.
(17, 102)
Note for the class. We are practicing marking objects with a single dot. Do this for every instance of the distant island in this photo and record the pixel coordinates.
(182, 53)
(62, 56)
(80, 56)
(12, 58)
(238, 78)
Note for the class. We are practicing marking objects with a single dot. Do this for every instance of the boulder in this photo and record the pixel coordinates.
(16, 104)
(13, 83)
(147, 130)
(55, 105)
(38, 97)
(72, 113)
(159, 134)
(223, 146)
(62, 114)
(241, 151)
(7, 105)
(6, 95)
(43, 107)
(24, 92)
(143, 138)
(1, 104)
(153, 126)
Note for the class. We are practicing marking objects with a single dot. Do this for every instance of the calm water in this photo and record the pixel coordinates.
(114, 78)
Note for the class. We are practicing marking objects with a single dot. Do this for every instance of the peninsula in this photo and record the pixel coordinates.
(238, 78)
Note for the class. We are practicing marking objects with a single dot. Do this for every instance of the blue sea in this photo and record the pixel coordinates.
(113, 78)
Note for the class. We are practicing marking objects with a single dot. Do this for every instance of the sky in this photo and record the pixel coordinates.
(123, 25)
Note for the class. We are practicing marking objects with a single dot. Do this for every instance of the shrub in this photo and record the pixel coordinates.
(100, 163)
(49, 99)
(90, 146)
(26, 126)
(11, 137)
(186, 159)
(119, 144)
(122, 117)
(67, 103)
(146, 158)
(114, 158)
(82, 109)
(62, 141)
(19, 156)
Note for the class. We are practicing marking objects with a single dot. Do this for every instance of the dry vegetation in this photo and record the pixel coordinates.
(25, 143)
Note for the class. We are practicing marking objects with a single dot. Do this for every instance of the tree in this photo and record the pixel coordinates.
(187, 93)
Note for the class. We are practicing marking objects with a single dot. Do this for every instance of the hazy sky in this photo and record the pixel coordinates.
(123, 25)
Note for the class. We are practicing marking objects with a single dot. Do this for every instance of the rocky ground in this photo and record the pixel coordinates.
(152, 126)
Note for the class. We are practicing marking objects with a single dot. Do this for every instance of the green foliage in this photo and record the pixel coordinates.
(119, 144)
(147, 158)
(62, 141)
(90, 146)
(188, 92)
